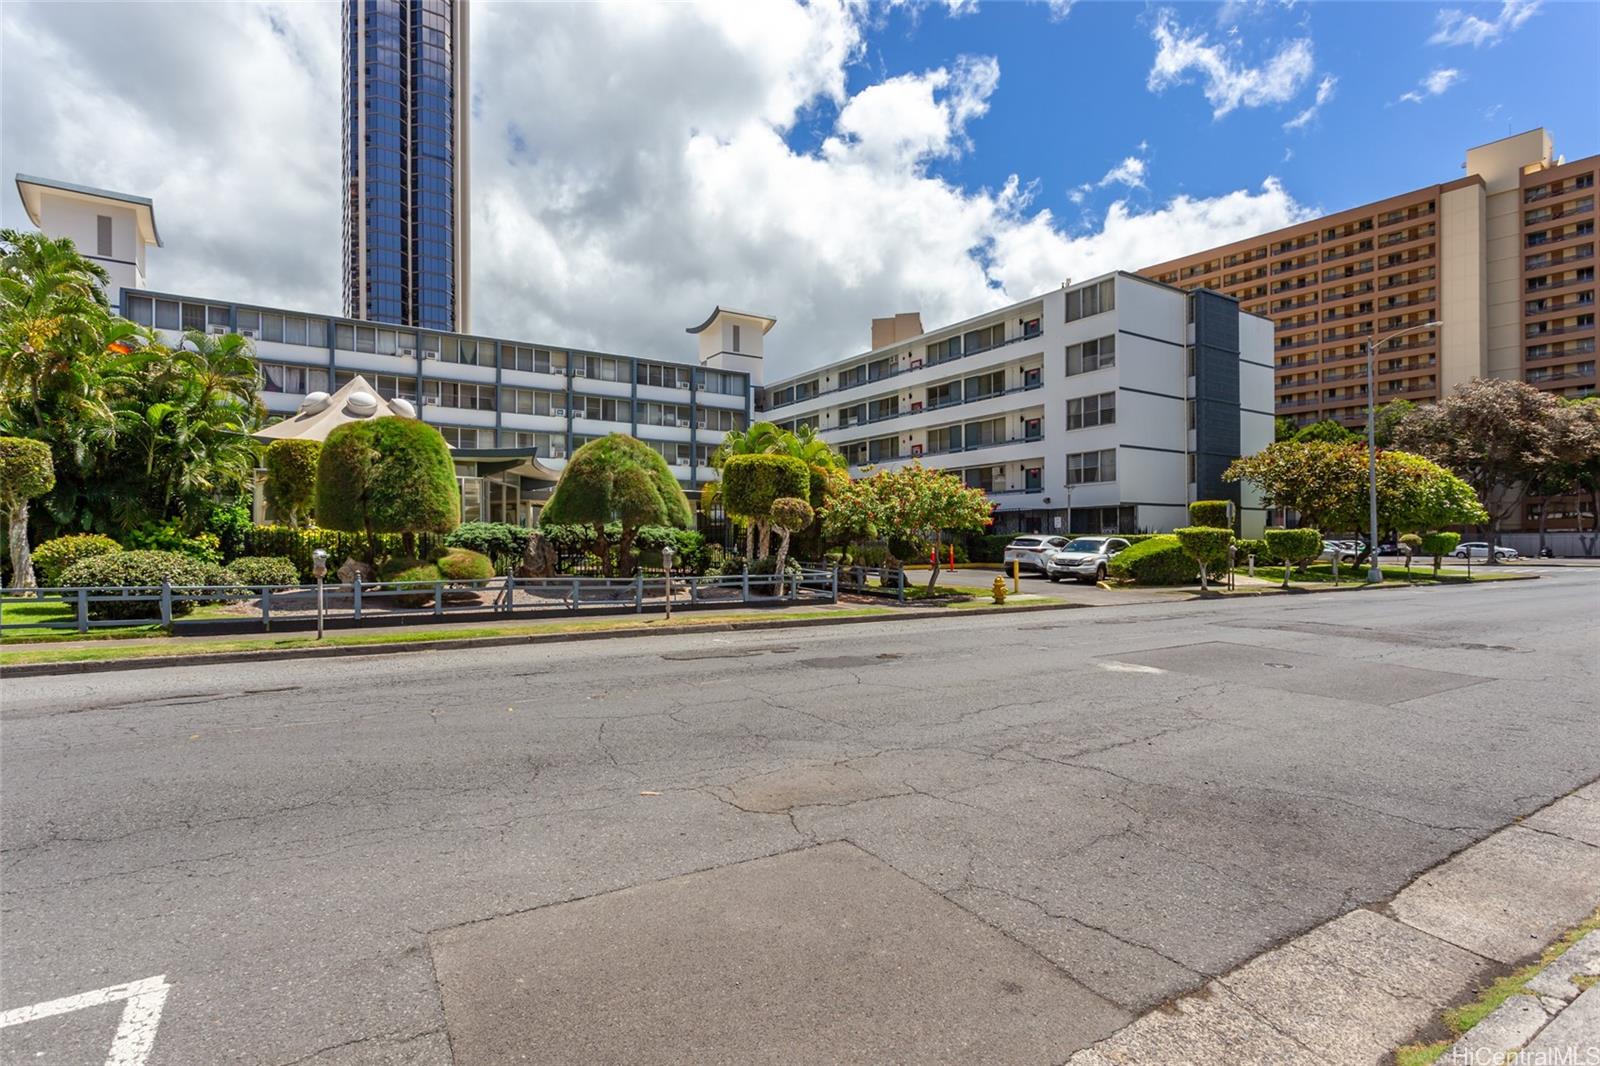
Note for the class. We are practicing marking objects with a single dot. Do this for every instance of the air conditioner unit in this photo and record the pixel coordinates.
(409, 352)
(430, 401)
(559, 412)
(683, 384)
(576, 415)
(916, 405)
(217, 331)
(558, 453)
(579, 372)
(683, 462)
(247, 333)
(426, 355)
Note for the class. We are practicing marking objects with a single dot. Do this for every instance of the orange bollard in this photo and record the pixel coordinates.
(952, 556)
(933, 558)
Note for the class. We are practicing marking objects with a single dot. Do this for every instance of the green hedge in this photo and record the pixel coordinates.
(168, 537)
(463, 564)
(264, 570)
(298, 544)
(1258, 548)
(490, 538)
(1212, 513)
(53, 557)
(1155, 560)
(142, 570)
(988, 547)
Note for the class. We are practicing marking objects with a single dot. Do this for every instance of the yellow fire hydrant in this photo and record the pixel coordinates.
(999, 589)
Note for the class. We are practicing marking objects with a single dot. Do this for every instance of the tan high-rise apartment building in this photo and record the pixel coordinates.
(1503, 257)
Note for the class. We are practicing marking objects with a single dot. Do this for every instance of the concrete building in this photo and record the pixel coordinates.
(1102, 407)
(407, 258)
(111, 228)
(498, 402)
(1503, 257)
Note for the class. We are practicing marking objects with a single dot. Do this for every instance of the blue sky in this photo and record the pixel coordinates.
(821, 161)
(1072, 100)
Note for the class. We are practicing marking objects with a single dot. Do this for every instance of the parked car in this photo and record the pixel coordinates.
(1031, 550)
(1479, 549)
(1084, 558)
(1343, 550)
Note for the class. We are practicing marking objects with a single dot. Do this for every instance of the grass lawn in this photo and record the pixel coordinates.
(34, 653)
(1322, 573)
(15, 610)
(1458, 1020)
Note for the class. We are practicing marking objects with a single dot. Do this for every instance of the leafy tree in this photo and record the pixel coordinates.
(828, 468)
(387, 475)
(914, 501)
(1296, 547)
(1283, 428)
(1495, 433)
(1327, 431)
(788, 514)
(750, 485)
(1586, 466)
(26, 472)
(617, 479)
(1387, 418)
(1206, 545)
(1439, 545)
(1326, 484)
(291, 486)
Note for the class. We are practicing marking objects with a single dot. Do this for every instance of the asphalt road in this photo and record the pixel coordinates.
(1137, 796)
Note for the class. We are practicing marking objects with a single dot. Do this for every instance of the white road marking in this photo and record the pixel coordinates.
(136, 1032)
(1130, 668)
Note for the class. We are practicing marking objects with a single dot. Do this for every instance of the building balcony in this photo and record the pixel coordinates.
(1562, 350)
(1400, 218)
(1563, 379)
(1348, 253)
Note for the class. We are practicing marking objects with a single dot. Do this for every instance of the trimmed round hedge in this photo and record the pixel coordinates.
(265, 570)
(489, 538)
(143, 570)
(1159, 560)
(461, 564)
(52, 558)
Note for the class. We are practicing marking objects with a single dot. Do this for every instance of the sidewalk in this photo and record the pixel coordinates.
(1353, 990)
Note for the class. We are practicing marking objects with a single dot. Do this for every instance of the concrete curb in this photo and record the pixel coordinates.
(1354, 988)
(153, 662)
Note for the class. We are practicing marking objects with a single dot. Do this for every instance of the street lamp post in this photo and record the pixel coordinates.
(666, 563)
(1374, 568)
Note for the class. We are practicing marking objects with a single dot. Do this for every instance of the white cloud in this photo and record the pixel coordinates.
(1435, 84)
(1059, 9)
(1325, 89)
(1455, 27)
(612, 206)
(1228, 82)
(1129, 172)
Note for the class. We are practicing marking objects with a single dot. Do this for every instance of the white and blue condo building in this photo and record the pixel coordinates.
(1106, 406)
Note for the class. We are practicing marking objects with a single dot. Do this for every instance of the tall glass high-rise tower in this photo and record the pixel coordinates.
(406, 254)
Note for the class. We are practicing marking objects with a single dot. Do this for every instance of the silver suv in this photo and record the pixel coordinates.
(1085, 559)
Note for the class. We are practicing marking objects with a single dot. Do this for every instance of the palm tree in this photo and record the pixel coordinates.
(765, 438)
(53, 316)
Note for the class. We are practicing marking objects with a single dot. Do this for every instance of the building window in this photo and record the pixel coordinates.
(984, 386)
(1033, 479)
(944, 351)
(278, 377)
(1087, 468)
(1091, 300)
(1091, 355)
(1032, 428)
(1191, 468)
(1192, 419)
(736, 338)
(1087, 411)
(103, 234)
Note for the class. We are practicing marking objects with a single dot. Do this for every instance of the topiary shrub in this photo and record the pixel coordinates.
(143, 570)
(1295, 547)
(750, 484)
(788, 514)
(617, 479)
(493, 539)
(1158, 560)
(1211, 513)
(291, 486)
(463, 564)
(401, 569)
(53, 557)
(1410, 544)
(387, 475)
(256, 570)
(1439, 545)
(27, 471)
(1207, 546)
(1249, 547)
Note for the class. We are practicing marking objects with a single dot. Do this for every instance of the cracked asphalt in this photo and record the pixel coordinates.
(1142, 797)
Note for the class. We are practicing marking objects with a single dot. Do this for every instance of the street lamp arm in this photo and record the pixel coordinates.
(1401, 333)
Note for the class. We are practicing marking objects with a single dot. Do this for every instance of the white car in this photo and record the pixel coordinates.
(1086, 559)
(1032, 550)
(1337, 548)
(1479, 549)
